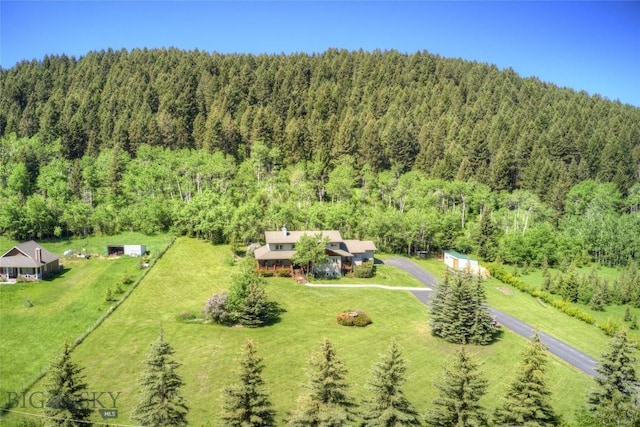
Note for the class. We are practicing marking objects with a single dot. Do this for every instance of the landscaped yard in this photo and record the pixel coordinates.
(37, 318)
(192, 270)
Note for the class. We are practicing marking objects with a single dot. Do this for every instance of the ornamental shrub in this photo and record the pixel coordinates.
(353, 318)
(365, 270)
(282, 272)
(216, 309)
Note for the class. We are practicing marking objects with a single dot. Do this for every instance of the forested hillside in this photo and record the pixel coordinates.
(409, 150)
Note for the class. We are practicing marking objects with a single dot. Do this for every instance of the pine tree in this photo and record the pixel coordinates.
(247, 404)
(600, 297)
(255, 308)
(526, 400)
(387, 405)
(326, 402)
(458, 314)
(67, 405)
(460, 388)
(487, 240)
(615, 401)
(161, 403)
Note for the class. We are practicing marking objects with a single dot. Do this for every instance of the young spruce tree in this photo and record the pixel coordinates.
(461, 386)
(526, 400)
(458, 314)
(326, 402)
(66, 405)
(615, 401)
(161, 403)
(246, 403)
(387, 406)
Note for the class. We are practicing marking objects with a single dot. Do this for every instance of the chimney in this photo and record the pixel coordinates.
(284, 231)
(38, 255)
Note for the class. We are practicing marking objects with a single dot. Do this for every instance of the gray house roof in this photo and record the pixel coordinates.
(286, 236)
(24, 255)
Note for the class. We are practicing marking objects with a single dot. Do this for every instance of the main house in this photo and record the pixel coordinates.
(342, 254)
(28, 261)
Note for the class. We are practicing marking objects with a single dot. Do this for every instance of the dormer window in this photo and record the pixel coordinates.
(279, 247)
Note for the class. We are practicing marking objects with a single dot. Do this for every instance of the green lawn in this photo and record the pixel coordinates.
(63, 308)
(192, 270)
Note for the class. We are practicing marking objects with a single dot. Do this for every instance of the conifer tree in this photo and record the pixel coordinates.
(387, 405)
(615, 401)
(487, 240)
(458, 314)
(460, 388)
(326, 402)
(161, 403)
(246, 403)
(526, 400)
(66, 405)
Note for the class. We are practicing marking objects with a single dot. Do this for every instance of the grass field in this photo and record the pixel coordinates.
(63, 308)
(192, 270)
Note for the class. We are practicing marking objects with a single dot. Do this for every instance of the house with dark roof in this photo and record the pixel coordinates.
(280, 246)
(28, 261)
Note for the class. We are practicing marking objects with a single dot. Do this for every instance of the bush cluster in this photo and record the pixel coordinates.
(354, 318)
(365, 270)
(565, 306)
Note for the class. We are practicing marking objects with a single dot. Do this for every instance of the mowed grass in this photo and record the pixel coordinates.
(192, 270)
(63, 308)
(584, 337)
(613, 313)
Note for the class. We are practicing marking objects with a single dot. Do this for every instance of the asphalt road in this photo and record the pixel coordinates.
(564, 351)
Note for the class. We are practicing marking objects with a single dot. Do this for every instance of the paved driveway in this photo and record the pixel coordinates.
(564, 351)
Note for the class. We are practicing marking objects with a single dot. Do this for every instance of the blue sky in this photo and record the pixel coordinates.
(591, 46)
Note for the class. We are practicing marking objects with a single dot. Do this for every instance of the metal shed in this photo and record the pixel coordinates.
(131, 250)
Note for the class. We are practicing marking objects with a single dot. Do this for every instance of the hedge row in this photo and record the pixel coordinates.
(507, 278)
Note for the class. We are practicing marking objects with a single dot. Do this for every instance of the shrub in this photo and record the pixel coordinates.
(216, 309)
(267, 273)
(365, 270)
(282, 272)
(126, 279)
(186, 316)
(611, 326)
(353, 318)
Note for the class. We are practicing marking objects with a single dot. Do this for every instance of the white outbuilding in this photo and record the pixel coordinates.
(131, 250)
(461, 262)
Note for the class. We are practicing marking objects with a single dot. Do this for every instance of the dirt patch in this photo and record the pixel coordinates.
(505, 291)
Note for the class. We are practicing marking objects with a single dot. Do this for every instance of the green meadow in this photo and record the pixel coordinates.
(191, 270)
(37, 318)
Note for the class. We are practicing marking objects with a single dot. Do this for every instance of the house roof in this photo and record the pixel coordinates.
(458, 255)
(359, 246)
(294, 236)
(263, 253)
(24, 255)
(339, 252)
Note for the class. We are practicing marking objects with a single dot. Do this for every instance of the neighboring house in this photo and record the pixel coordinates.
(343, 254)
(29, 261)
(460, 262)
(131, 250)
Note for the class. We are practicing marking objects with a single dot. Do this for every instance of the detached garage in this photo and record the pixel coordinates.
(131, 250)
(460, 262)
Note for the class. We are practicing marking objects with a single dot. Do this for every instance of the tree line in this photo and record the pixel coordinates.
(326, 400)
(448, 118)
(212, 196)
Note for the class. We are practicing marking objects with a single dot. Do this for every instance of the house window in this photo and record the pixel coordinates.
(278, 247)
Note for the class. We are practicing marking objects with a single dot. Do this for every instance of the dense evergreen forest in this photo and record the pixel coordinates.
(417, 152)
